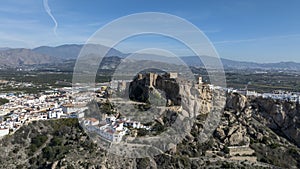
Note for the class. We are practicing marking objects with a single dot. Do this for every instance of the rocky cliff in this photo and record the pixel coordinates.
(282, 117)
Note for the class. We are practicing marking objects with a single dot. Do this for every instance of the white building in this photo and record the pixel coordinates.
(4, 131)
(55, 113)
(91, 121)
(248, 93)
(108, 132)
(133, 124)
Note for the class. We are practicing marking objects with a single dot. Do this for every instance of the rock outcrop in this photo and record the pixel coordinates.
(283, 117)
(144, 84)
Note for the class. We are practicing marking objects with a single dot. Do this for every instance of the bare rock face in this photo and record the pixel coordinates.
(236, 139)
(236, 101)
(205, 98)
(236, 135)
(233, 128)
(280, 116)
(239, 137)
(220, 134)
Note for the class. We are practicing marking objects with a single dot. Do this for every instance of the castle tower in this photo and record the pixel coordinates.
(200, 80)
(140, 76)
(152, 79)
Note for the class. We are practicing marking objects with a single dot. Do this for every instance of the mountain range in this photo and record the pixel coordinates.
(17, 57)
(12, 57)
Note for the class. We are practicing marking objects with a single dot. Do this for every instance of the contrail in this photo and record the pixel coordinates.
(48, 10)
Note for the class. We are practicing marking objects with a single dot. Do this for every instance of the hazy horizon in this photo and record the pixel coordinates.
(279, 61)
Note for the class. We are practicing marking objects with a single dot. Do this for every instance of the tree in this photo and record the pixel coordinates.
(3, 101)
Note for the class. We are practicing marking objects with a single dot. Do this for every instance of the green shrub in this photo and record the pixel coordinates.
(39, 140)
(48, 153)
(56, 141)
(142, 132)
(3, 101)
(226, 150)
(158, 128)
(274, 145)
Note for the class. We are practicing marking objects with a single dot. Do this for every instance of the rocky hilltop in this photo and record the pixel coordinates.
(144, 84)
(251, 133)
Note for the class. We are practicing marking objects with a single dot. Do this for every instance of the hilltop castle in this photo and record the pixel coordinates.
(142, 84)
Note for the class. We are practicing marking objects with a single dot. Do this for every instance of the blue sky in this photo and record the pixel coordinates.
(253, 30)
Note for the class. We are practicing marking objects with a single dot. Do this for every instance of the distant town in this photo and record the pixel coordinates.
(57, 103)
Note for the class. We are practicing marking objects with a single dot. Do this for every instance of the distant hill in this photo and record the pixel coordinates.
(18, 57)
(1, 49)
(59, 54)
(72, 51)
(195, 61)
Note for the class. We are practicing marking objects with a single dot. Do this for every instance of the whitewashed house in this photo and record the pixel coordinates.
(3, 131)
